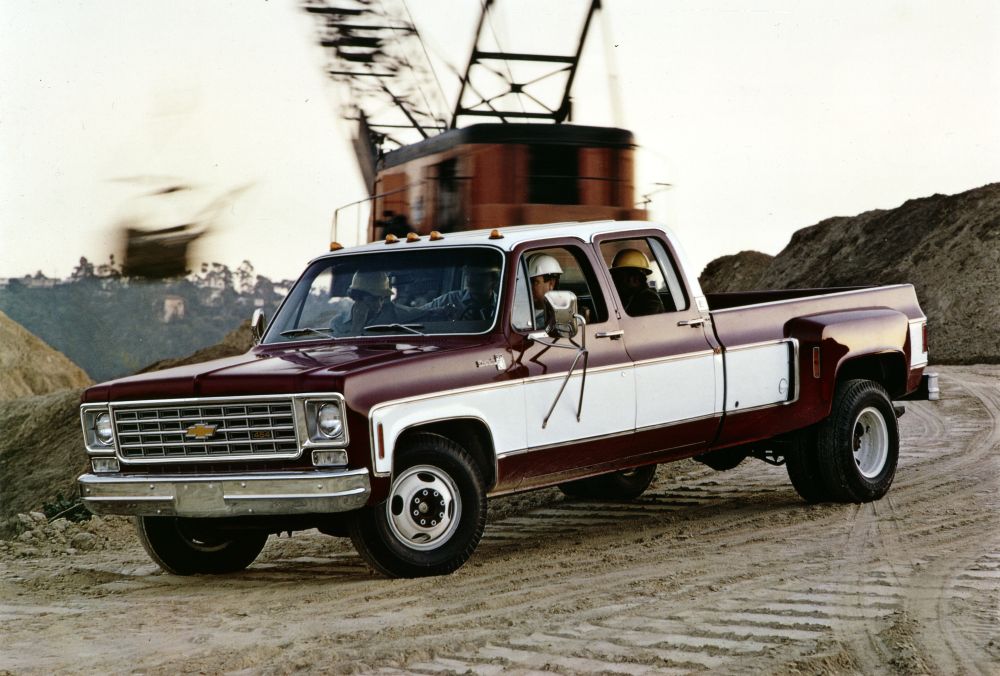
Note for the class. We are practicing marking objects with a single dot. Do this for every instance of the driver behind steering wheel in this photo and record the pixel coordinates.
(476, 300)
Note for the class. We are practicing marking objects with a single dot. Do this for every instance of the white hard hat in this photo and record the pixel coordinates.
(376, 283)
(543, 264)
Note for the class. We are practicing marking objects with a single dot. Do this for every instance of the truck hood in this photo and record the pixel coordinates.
(263, 370)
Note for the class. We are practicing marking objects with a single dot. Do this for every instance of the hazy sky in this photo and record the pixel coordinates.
(765, 116)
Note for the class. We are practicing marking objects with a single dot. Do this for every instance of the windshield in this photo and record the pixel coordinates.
(400, 292)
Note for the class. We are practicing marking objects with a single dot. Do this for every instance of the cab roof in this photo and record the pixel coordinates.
(511, 236)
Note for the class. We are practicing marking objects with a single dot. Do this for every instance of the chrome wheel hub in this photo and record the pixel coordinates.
(871, 442)
(424, 507)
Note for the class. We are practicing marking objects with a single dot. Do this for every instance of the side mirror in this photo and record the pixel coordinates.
(257, 323)
(561, 314)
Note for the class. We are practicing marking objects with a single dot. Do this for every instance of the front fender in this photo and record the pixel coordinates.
(500, 407)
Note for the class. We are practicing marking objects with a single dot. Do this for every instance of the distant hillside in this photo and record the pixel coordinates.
(28, 366)
(113, 327)
(236, 342)
(947, 246)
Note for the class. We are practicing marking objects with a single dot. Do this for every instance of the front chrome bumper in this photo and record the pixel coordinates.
(281, 493)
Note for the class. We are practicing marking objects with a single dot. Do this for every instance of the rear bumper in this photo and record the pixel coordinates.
(279, 493)
(928, 390)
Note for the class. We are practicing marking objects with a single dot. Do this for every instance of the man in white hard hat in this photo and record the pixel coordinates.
(544, 272)
(629, 270)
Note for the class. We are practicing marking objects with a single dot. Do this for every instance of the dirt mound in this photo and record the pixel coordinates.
(41, 449)
(236, 342)
(738, 272)
(28, 366)
(947, 246)
(35, 536)
(41, 453)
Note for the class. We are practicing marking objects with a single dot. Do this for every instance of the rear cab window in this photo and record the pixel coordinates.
(638, 262)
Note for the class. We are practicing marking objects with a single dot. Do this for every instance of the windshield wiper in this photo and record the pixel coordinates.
(412, 328)
(306, 330)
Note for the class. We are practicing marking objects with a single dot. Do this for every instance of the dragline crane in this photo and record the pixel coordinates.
(425, 171)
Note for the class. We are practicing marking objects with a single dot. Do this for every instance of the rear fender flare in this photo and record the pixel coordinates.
(864, 343)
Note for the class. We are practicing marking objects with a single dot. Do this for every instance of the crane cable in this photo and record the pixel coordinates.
(406, 62)
(440, 119)
(510, 74)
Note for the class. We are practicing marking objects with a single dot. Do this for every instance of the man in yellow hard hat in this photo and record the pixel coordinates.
(629, 270)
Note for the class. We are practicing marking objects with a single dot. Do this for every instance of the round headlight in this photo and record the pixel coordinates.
(328, 421)
(102, 428)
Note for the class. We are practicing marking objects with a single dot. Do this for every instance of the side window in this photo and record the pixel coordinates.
(543, 270)
(644, 275)
(670, 277)
(522, 316)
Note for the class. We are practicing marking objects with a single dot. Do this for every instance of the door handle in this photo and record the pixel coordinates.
(698, 321)
(613, 335)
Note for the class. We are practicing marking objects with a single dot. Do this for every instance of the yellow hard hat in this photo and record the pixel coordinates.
(374, 282)
(631, 258)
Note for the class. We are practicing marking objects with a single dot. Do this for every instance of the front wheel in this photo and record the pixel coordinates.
(858, 445)
(192, 546)
(434, 516)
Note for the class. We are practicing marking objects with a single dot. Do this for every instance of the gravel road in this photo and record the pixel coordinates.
(706, 573)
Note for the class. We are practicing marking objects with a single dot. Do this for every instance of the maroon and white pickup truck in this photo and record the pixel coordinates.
(403, 383)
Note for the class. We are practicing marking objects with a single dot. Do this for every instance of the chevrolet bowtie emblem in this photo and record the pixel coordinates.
(201, 431)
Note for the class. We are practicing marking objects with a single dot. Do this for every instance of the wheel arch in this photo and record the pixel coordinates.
(886, 368)
(469, 432)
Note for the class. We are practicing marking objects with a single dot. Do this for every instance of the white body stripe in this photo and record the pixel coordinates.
(607, 406)
(676, 389)
(759, 375)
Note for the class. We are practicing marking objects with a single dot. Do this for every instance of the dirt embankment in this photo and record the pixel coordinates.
(41, 448)
(737, 272)
(28, 366)
(947, 246)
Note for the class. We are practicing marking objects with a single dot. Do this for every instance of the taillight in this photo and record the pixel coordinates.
(923, 336)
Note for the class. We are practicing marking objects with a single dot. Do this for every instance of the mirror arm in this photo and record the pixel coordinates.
(581, 351)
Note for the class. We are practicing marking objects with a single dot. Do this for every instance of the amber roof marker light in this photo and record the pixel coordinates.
(412, 237)
(336, 246)
(435, 236)
(495, 234)
(391, 239)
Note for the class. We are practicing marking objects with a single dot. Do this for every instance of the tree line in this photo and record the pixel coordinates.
(112, 325)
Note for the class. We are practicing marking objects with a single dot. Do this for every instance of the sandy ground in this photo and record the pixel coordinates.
(707, 572)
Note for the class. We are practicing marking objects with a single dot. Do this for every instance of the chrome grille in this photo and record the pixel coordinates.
(206, 431)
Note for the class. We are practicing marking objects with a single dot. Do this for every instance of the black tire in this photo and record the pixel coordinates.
(625, 485)
(192, 546)
(439, 480)
(858, 445)
(802, 463)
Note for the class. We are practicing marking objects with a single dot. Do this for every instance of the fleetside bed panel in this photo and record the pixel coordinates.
(759, 376)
